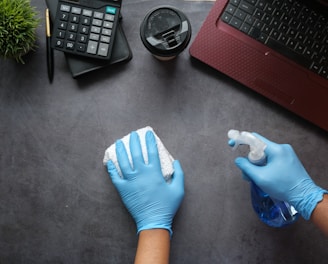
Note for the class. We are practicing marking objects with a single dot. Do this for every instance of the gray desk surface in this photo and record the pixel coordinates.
(57, 204)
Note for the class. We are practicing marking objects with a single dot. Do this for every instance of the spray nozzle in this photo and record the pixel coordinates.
(256, 154)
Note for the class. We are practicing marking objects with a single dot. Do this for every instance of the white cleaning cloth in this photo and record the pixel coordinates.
(165, 157)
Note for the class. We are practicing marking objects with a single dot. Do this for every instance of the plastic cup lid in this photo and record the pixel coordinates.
(165, 31)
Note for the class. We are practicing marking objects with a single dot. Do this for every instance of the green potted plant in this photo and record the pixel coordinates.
(18, 23)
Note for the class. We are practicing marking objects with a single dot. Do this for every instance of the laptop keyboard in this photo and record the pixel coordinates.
(286, 26)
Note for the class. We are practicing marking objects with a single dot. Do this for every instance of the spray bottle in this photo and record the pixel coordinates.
(270, 211)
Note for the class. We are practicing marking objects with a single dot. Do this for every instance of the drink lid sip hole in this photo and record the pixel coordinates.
(165, 32)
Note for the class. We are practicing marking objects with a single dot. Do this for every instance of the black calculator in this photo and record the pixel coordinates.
(86, 27)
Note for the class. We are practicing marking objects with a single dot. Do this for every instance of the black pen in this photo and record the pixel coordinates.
(50, 52)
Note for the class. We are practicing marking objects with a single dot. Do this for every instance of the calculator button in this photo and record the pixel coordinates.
(92, 47)
(97, 22)
(65, 8)
(87, 12)
(106, 32)
(109, 17)
(95, 29)
(84, 30)
(82, 38)
(75, 18)
(63, 16)
(76, 10)
(110, 10)
(103, 49)
(98, 15)
(105, 39)
(60, 34)
(70, 45)
(108, 24)
(71, 36)
(81, 47)
(72, 27)
(62, 25)
(94, 37)
(59, 43)
(86, 21)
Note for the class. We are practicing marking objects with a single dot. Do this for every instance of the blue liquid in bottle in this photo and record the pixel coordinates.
(271, 212)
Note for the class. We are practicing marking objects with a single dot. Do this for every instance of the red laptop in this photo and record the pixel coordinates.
(278, 48)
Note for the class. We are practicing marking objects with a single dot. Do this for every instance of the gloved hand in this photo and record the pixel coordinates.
(151, 200)
(283, 177)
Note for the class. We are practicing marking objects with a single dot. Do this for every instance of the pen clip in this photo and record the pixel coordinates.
(48, 24)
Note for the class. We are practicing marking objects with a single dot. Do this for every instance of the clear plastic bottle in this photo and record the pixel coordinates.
(270, 211)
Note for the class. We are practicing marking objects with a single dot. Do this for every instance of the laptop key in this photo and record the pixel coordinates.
(283, 39)
(315, 67)
(245, 28)
(247, 7)
(300, 49)
(250, 20)
(269, 9)
(275, 34)
(263, 37)
(259, 14)
(254, 32)
(231, 9)
(235, 2)
(259, 24)
(253, 2)
(240, 14)
(260, 4)
(235, 22)
(226, 17)
(291, 44)
(289, 53)
(278, 3)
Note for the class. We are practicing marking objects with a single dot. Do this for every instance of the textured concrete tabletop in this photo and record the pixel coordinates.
(57, 203)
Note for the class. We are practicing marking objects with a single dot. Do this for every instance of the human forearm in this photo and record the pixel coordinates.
(153, 247)
(320, 215)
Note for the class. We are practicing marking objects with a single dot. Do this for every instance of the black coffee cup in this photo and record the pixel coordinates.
(165, 32)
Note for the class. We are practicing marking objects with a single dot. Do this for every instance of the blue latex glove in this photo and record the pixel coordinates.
(151, 200)
(283, 177)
